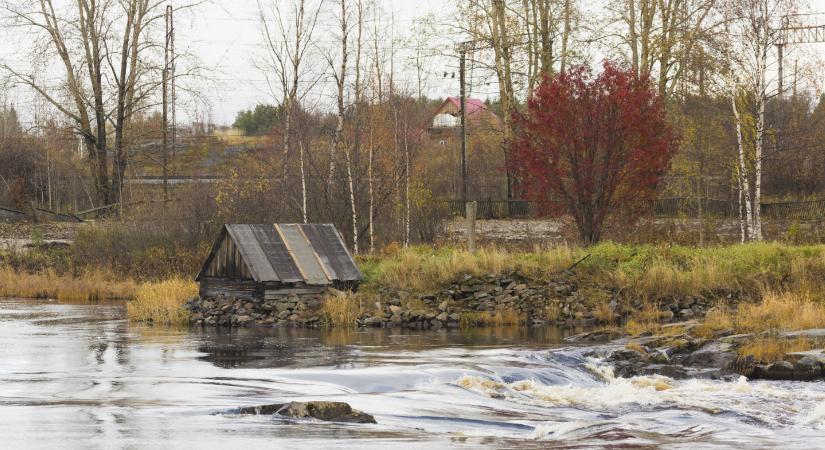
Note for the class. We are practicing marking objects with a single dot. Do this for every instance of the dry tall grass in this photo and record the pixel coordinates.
(500, 318)
(770, 349)
(161, 303)
(343, 310)
(778, 311)
(426, 270)
(90, 286)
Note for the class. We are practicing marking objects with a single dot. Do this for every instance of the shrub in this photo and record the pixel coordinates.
(161, 303)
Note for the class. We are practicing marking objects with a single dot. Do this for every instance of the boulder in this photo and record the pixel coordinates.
(717, 355)
(780, 370)
(326, 411)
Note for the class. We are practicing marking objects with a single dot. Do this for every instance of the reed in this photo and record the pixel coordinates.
(89, 286)
(770, 349)
(500, 318)
(342, 310)
(161, 303)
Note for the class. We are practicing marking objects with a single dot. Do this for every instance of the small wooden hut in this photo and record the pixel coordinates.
(264, 262)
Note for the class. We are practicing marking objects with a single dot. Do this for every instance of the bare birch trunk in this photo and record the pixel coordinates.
(354, 210)
(565, 38)
(371, 192)
(303, 182)
(339, 126)
(744, 184)
(762, 94)
(406, 186)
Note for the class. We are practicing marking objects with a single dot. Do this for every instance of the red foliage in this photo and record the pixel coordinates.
(592, 146)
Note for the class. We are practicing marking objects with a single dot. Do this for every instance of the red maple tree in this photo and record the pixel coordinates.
(592, 145)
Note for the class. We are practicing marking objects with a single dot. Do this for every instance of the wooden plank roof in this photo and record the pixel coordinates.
(313, 254)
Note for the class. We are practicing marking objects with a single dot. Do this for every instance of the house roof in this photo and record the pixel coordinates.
(477, 111)
(474, 105)
(313, 254)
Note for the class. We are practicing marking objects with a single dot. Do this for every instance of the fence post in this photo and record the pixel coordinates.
(471, 226)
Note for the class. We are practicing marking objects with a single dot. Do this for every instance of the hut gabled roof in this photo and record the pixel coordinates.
(313, 254)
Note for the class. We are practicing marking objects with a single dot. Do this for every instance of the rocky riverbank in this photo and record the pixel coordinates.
(677, 353)
(510, 299)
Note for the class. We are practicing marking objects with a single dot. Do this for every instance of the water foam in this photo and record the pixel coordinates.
(790, 404)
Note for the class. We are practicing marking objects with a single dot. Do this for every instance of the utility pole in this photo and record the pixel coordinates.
(797, 34)
(463, 81)
(168, 72)
(173, 82)
(165, 80)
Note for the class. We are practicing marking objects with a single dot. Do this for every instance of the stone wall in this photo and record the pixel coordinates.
(510, 299)
(685, 231)
(287, 310)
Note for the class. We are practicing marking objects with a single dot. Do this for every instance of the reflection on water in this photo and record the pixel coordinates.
(80, 376)
(282, 347)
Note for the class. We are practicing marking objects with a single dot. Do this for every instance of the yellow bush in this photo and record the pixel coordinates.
(342, 310)
(162, 302)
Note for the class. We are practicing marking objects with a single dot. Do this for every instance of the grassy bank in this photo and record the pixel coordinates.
(158, 302)
(647, 271)
(770, 276)
(88, 286)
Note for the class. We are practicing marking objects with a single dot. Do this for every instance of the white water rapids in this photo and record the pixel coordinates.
(79, 376)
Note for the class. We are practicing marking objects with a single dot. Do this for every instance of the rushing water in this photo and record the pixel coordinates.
(80, 376)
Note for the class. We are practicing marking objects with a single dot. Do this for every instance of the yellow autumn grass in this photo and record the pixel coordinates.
(778, 311)
(161, 303)
(499, 318)
(770, 349)
(422, 269)
(342, 310)
(90, 286)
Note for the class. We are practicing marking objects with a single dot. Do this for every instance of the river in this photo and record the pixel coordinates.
(81, 376)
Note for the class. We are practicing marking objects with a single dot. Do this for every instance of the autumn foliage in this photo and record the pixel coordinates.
(592, 146)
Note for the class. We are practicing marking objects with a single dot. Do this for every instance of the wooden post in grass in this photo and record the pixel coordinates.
(472, 207)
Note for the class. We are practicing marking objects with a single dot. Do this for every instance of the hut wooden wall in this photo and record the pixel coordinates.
(228, 263)
(230, 288)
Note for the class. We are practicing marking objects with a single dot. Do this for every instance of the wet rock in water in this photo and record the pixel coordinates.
(719, 355)
(595, 336)
(780, 370)
(321, 410)
(674, 371)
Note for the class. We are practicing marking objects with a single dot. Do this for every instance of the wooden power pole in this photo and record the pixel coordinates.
(165, 100)
(463, 81)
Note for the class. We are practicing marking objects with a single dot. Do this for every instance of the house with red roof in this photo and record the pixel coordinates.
(485, 155)
(445, 124)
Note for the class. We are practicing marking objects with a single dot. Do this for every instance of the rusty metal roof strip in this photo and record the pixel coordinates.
(303, 254)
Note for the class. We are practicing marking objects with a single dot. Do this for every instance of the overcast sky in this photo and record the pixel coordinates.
(225, 38)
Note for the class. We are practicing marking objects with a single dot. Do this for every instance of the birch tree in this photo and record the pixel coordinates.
(662, 35)
(107, 55)
(288, 36)
(752, 35)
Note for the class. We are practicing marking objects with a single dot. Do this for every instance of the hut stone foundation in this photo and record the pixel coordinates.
(299, 310)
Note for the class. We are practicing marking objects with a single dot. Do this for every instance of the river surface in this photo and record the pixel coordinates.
(80, 376)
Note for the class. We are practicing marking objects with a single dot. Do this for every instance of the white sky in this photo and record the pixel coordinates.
(225, 37)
